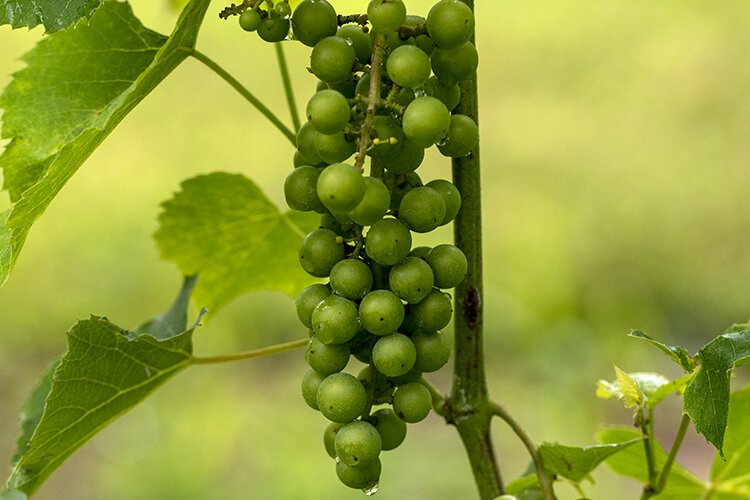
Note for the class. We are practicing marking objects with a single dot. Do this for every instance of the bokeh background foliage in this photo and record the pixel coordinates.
(615, 152)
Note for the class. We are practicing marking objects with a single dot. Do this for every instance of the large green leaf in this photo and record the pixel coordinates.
(575, 463)
(55, 15)
(732, 474)
(223, 228)
(631, 462)
(707, 394)
(78, 85)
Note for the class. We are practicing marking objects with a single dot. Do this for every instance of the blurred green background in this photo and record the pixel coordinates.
(615, 143)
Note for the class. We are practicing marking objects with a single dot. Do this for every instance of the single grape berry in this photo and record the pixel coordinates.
(310, 383)
(433, 312)
(250, 20)
(308, 299)
(359, 39)
(426, 121)
(420, 252)
(411, 279)
(361, 477)
(449, 265)
(432, 349)
(450, 23)
(411, 402)
(374, 204)
(392, 429)
(408, 66)
(451, 198)
(462, 137)
(329, 436)
(273, 28)
(328, 111)
(283, 9)
(422, 209)
(408, 159)
(341, 398)
(357, 443)
(455, 65)
(410, 377)
(306, 144)
(335, 320)
(386, 15)
(381, 312)
(388, 242)
(313, 20)
(387, 137)
(332, 59)
(300, 190)
(351, 278)
(394, 355)
(326, 358)
(320, 251)
(382, 390)
(448, 94)
(341, 187)
(334, 148)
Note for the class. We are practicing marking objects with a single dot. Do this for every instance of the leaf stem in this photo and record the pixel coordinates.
(647, 430)
(244, 92)
(681, 431)
(288, 90)
(545, 481)
(255, 353)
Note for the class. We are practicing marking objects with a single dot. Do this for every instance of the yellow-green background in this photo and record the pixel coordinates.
(616, 160)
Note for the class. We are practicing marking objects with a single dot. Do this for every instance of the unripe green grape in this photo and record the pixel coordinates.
(341, 398)
(346, 88)
(363, 87)
(306, 144)
(273, 28)
(433, 312)
(448, 94)
(408, 325)
(329, 437)
(386, 15)
(407, 160)
(320, 251)
(392, 429)
(420, 252)
(335, 320)
(388, 242)
(351, 278)
(412, 376)
(433, 350)
(328, 111)
(358, 443)
(334, 148)
(361, 346)
(341, 187)
(283, 9)
(449, 265)
(314, 20)
(426, 121)
(450, 23)
(389, 135)
(462, 137)
(374, 204)
(250, 20)
(394, 355)
(381, 312)
(301, 161)
(326, 358)
(451, 197)
(411, 279)
(359, 39)
(308, 299)
(310, 383)
(404, 97)
(361, 477)
(331, 222)
(408, 66)
(300, 189)
(412, 402)
(422, 209)
(425, 44)
(332, 59)
(455, 65)
(382, 390)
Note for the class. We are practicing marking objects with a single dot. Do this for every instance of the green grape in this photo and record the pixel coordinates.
(310, 383)
(448, 264)
(283, 9)
(328, 111)
(341, 187)
(389, 135)
(361, 477)
(331, 222)
(329, 436)
(381, 312)
(422, 209)
(433, 350)
(359, 39)
(341, 398)
(320, 251)
(308, 299)
(411, 279)
(374, 204)
(273, 28)
(462, 137)
(386, 15)
(332, 59)
(426, 121)
(250, 20)
(335, 320)
(306, 144)
(351, 278)
(448, 94)
(313, 20)
(301, 161)
(394, 355)
(434, 312)
(425, 44)
(455, 65)
(392, 429)
(300, 190)
(404, 97)
(326, 358)
(388, 242)
(334, 148)
(357, 443)
(420, 252)
(363, 87)
(382, 390)
(361, 346)
(408, 66)
(408, 325)
(410, 377)
(411, 402)
(450, 23)
(407, 160)
(451, 197)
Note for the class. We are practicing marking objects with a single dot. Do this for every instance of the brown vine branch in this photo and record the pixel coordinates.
(372, 99)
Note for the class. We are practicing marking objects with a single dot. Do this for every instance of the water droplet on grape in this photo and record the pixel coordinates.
(337, 459)
(371, 490)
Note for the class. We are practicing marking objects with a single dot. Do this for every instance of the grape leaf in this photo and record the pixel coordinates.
(174, 320)
(222, 227)
(678, 354)
(707, 394)
(12, 495)
(733, 474)
(575, 463)
(654, 387)
(78, 85)
(55, 15)
(681, 485)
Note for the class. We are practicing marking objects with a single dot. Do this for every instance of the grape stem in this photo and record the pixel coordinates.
(255, 353)
(438, 398)
(288, 89)
(236, 10)
(667, 468)
(372, 100)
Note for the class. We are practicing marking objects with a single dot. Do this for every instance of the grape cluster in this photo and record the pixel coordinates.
(388, 82)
